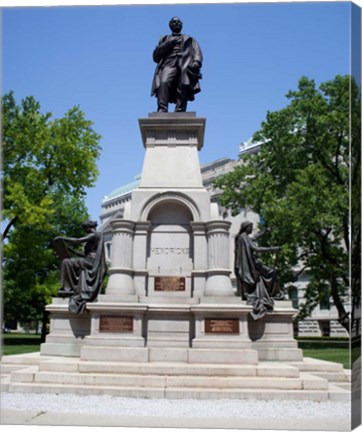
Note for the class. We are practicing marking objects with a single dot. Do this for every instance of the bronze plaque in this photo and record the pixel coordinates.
(116, 324)
(222, 325)
(170, 283)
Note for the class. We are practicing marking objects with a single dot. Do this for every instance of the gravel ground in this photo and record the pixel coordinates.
(108, 405)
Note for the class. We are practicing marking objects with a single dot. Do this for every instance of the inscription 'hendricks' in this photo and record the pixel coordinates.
(170, 251)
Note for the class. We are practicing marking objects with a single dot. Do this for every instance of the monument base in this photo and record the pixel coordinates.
(172, 329)
(128, 376)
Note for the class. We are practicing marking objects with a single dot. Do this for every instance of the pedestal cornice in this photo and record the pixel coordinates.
(172, 129)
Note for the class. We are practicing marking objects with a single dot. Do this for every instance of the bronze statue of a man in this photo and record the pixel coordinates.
(177, 75)
(257, 283)
(82, 276)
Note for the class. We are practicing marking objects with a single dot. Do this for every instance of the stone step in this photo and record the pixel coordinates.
(22, 359)
(26, 374)
(60, 364)
(343, 385)
(8, 368)
(174, 369)
(267, 380)
(314, 365)
(171, 393)
(163, 381)
(135, 392)
(258, 394)
(312, 382)
(154, 368)
(334, 394)
(332, 376)
(176, 354)
(338, 394)
(4, 383)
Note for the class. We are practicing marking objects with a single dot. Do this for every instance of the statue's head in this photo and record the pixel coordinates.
(246, 226)
(89, 225)
(175, 25)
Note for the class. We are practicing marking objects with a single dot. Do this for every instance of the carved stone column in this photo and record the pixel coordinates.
(218, 274)
(121, 270)
(139, 256)
(200, 258)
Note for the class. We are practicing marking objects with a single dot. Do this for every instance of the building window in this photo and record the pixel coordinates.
(325, 327)
(293, 296)
(325, 303)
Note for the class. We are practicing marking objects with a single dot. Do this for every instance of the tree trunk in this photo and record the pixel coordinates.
(343, 316)
(44, 326)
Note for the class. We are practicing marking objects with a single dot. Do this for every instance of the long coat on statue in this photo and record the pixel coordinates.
(257, 282)
(189, 79)
(83, 276)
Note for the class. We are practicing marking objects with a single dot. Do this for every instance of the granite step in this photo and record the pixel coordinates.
(159, 368)
(267, 380)
(30, 358)
(343, 385)
(332, 376)
(338, 394)
(4, 383)
(164, 381)
(171, 393)
(186, 369)
(314, 365)
(8, 368)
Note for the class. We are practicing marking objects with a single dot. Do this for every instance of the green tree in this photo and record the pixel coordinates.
(299, 184)
(47, 166)
(44, 159)
(31, 267)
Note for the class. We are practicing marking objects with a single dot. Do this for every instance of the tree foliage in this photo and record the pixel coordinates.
(299, 183)
(44, 159)
(47, 166)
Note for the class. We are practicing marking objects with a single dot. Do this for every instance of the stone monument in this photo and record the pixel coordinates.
(170, 324)
(169, 296)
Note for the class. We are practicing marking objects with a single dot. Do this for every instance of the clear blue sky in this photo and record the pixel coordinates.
(101, 59)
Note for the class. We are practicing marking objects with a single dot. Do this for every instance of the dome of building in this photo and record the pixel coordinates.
(123, 190)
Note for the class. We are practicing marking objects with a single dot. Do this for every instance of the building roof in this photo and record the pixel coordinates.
(123, 190)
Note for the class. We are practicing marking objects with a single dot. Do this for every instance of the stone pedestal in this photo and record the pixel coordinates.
(169, 297)
(272, 336)
(67, 330)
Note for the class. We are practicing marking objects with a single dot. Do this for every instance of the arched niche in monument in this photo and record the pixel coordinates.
(170, 244)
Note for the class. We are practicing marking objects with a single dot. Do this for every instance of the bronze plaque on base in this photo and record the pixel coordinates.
(170, 283)
(222, 325)
(116, 324)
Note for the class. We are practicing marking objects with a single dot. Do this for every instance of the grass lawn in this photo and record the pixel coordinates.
(19, 343)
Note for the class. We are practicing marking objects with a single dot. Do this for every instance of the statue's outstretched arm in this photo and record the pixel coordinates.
(77, 241)
(261, 234)
(262, 249)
